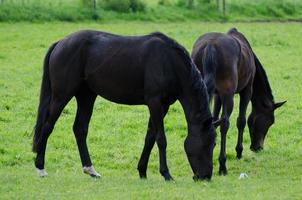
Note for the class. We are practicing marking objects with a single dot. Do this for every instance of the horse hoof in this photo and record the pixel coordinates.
(42, 173)
(95, 175)
(168, 177)
(223, 172)
(143, 175)
(91, 171)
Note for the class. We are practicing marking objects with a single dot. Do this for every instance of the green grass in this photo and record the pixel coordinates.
(117, 132)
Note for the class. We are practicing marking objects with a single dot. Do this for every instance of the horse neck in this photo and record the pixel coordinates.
(262, 97)
(194, 98)
(193, 114)
(260, 101)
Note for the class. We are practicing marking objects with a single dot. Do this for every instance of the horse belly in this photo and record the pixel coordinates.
(119, 89)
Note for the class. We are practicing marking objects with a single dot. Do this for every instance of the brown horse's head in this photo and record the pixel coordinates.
(259, 121)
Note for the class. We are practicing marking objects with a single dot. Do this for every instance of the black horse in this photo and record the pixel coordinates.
(151, 70)
(228, 66)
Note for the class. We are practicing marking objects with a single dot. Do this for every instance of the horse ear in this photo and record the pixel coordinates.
(217, 123)
(279, 104)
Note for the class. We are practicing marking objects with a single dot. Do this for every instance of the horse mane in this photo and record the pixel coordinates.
(261, 81)
(197, 83)
(175, 45)
(182, 52)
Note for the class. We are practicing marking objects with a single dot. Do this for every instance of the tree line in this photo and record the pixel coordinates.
(221, 4)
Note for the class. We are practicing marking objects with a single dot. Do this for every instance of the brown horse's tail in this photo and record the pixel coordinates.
(45, 96)
(209, 60)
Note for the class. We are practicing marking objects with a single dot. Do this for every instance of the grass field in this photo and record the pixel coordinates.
(117, 132)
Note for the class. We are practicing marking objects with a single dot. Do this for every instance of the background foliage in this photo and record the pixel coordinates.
(150, 10)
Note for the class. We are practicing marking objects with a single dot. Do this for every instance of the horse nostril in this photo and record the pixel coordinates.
(196, 178)
(207, 178)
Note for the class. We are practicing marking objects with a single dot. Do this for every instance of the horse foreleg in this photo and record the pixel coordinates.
(149, 143)
(157, 113)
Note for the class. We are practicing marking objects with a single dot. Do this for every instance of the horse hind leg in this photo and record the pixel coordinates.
(245, 97)
(217, 107)
(55, 108)
(85, 101)
(227, 108)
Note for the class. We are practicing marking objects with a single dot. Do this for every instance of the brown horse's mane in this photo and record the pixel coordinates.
(261, 82)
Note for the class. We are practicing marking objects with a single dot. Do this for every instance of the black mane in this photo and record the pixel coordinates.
(172, 43)
(197, 83)
(200, 90)
(261, 85)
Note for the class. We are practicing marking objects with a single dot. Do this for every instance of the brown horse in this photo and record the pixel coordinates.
(152, 70)
(229, 66)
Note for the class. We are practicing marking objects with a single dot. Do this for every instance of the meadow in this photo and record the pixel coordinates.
(116, 133)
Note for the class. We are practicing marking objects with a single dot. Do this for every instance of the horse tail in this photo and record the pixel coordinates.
(45, 96)
(209, 60)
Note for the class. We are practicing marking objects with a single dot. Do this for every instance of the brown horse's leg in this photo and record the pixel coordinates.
(245, 96)
(85, 102)
(217, 107)
(227, 108)
(149, 143)
(55, 108)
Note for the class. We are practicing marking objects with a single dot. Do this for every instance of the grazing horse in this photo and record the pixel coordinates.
(151, 70)
(228, 66)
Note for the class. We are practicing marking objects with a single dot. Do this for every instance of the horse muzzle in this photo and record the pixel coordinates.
(197, 177)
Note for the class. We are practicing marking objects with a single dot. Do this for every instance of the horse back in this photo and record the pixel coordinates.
(225, 60)
(119, 68)
(246, 65)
